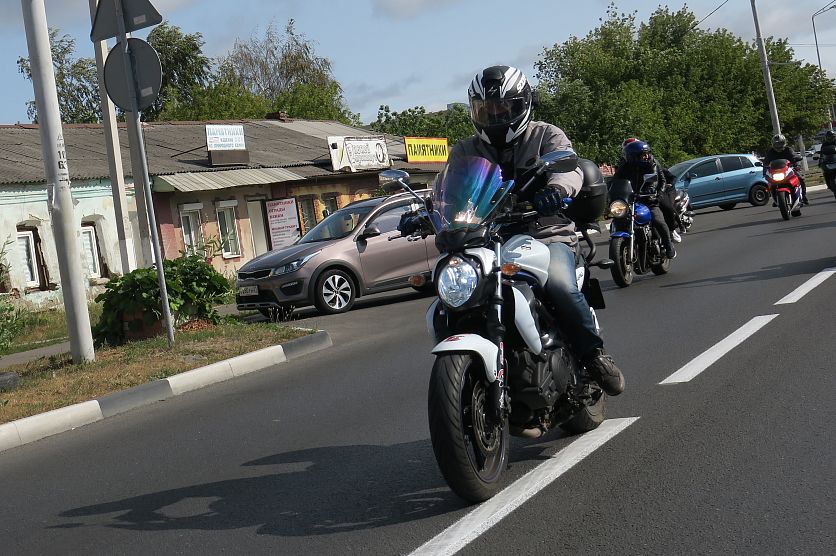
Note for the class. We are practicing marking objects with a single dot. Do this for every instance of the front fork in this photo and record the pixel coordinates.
(631, 253)
(496, 333)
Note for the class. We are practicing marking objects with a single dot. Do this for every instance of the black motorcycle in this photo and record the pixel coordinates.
(635, 245)
(828, 166)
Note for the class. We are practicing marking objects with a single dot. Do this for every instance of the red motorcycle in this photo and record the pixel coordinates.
(785, 184)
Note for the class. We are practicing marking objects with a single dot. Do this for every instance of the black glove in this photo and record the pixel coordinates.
(549, 200)
(409, 223)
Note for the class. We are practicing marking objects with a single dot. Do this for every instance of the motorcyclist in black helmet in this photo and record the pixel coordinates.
(638, 161)
(778, 150)
(501, 102)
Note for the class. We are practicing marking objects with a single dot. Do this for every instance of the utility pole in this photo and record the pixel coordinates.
(767, 76)
(59, 196)
(114, 159)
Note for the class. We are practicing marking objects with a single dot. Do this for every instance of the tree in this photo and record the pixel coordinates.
(75, 79)
(285, 69)
(687, 91)
(454, 123)
(185, 68)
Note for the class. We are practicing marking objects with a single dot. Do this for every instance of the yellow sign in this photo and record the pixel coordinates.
(426, 149)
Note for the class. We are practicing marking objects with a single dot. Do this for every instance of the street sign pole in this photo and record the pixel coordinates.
(137, 140)
(59, 196)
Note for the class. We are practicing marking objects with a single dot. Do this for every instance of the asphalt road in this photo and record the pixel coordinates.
(332, 456)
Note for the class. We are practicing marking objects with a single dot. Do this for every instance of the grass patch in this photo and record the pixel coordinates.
(44, 328)
(52, 383)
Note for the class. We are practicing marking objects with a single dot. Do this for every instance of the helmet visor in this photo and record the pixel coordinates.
(490, 112)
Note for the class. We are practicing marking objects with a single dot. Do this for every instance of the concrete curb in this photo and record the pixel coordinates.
(36, 427)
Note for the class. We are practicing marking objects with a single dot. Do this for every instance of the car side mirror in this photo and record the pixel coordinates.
(759, 163)
(691, 176)
(370, 231)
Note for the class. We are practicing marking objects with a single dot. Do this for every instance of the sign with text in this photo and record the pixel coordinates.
(426, 149)
(225, 137)
(282, 221)
(355, 154)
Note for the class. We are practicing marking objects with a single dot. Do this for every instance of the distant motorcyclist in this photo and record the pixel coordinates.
(780, 150)
(828, 146)
(638, 161)
(500, 110)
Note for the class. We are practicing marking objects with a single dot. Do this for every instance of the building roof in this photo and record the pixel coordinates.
(180, 148)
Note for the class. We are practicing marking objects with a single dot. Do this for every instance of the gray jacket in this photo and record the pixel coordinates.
(539, 138)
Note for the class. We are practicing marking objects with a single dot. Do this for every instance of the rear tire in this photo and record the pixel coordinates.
(587, 419)
(661, 268)
(784, 205)
(622, 269)
(758, 195)
(471, 452)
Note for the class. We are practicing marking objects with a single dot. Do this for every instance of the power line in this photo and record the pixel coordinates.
(712, 12)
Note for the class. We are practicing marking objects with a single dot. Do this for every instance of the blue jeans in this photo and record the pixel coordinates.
(573, 313)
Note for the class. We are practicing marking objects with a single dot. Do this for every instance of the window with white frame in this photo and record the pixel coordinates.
(192, 234)
(91, 250)
(28, 257)
(228, 229)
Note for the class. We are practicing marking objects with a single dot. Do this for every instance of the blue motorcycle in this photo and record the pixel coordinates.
(635, 246)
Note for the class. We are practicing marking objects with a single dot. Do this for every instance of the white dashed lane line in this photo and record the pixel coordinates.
(489, 513)
(807, 286)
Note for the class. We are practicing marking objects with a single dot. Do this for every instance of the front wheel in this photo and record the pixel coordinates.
(784, 204)
(470, 449)
(759, 195)
(727, 206)
(334, 292)
(622, 269)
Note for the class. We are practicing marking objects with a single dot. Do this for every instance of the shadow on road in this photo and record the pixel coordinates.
(767, 273)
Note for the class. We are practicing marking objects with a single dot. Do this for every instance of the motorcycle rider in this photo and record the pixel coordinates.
(828, 146)
(638, 161)
(779, 149)
(501, 102)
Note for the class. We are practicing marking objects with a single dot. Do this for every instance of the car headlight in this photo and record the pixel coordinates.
(618, 208)
(293, 266)
(457, 282)
(779, 176)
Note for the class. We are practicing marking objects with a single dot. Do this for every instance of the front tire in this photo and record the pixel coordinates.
(784, 205)
(758, 195)
(335, 292)
(471, 452)
(727, 206)
(622, 269)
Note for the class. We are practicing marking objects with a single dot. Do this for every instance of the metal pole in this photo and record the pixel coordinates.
(59, 196)
(137, 140)
(818, 56)
(114, 159)
(767, 76)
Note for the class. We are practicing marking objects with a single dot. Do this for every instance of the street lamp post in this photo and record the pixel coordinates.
(830, 6)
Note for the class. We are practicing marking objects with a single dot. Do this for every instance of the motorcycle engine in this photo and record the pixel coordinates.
(537, 382)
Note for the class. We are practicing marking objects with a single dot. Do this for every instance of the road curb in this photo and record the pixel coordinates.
(36, 427)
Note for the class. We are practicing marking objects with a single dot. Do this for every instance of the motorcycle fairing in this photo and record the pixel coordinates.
(472, 343)
(530, 254)
(524, 322)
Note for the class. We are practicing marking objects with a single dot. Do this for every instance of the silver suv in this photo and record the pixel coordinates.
(355, 251)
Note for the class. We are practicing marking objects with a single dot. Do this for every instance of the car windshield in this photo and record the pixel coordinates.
(678, 169)
(337, 225)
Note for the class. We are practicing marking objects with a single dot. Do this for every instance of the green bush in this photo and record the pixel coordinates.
(11, 319)
(194, 288)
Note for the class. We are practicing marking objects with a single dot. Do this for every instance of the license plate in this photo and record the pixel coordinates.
(248, 290)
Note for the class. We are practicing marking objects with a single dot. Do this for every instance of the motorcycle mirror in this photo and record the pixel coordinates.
(558, 161)
(393, 175)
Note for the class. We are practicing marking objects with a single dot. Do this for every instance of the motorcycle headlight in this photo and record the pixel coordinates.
(618, 208)
(293, 266)
(457, 282)
(779, 176)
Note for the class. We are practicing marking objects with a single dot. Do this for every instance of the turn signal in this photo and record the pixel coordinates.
(509, 269)
(417, 281)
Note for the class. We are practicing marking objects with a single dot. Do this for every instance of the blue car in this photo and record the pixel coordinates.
(722, 180)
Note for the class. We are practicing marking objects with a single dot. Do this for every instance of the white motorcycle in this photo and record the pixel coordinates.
(502, 364)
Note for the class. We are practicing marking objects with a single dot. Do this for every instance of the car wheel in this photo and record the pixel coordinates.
(335, 292)
(727, 206)
(758, 195)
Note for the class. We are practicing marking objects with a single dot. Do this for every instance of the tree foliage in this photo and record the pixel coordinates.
(75, 78)
(285, 69)
(453, 123)
(686, 91)
(186, 70)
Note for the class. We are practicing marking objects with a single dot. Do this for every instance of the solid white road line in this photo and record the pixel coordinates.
(807, 286)
(489, 513)
(712, 354)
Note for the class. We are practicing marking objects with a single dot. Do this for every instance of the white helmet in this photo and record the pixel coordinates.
(500, 104)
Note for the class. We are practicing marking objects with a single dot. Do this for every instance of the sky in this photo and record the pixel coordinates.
(406, 53)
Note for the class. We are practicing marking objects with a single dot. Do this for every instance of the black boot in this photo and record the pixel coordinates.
(603, 370)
